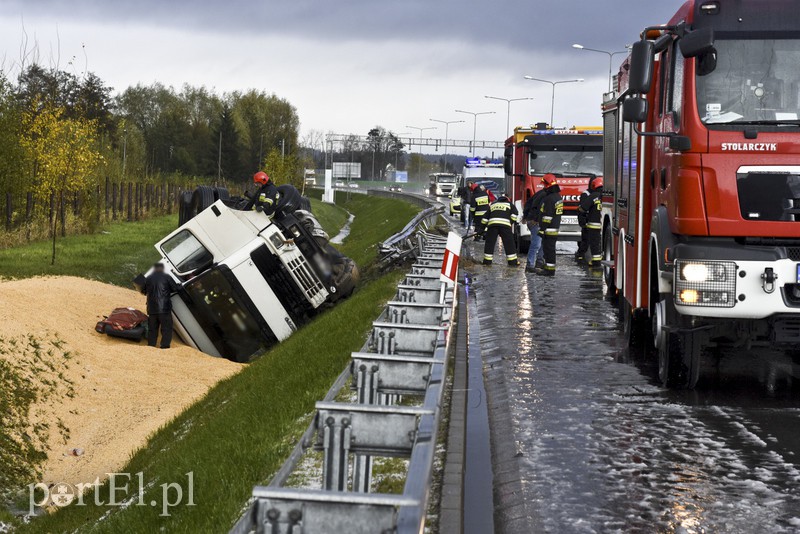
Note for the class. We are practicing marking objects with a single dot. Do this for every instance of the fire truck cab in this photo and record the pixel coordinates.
(575, 155)
(702, 215)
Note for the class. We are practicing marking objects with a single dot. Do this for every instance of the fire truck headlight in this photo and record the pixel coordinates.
(694, 272)
(710, 284)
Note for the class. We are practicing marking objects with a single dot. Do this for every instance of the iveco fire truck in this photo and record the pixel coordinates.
(575, 155)
(702, 219)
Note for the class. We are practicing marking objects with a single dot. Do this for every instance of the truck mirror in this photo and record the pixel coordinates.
(680, 143)
(634, 110)
(640, 75)
(697, 43)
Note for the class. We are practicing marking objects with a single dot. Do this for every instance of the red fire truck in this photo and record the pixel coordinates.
(702, 219)
(575, 155)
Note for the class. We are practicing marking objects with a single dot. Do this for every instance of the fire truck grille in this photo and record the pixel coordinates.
(308, 280)
(793, 253)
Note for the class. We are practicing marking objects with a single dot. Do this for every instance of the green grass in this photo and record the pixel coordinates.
(119, 252)
(115, 255)
(374, 216)
(239, 434)
(331, 217)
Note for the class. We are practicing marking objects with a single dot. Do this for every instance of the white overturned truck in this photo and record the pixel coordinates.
(247, 280)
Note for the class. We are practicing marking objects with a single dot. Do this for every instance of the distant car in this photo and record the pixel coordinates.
(338, 183)
(455, 205)
(396, 189)
(353, 185)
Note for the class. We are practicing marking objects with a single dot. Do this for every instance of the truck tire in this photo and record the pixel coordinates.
(609, 274)
(679, 352)
(185, 208)
(202, 198)
(221, 193)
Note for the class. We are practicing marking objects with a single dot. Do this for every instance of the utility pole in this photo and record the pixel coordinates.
(420, 130)
(219, 157)
(474, 123)
(553, 95)
(508, 113)
(446, 137)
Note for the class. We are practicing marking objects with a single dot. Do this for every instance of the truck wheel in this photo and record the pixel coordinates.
(679, 359)
(221, 193)
(608, 272)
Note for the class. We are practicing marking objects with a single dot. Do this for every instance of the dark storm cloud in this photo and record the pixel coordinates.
(530, 24)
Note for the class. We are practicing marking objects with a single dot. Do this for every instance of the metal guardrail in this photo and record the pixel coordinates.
(405, 354)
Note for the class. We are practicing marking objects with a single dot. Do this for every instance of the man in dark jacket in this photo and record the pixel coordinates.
(530, 214)
(550, 222)
(159, 287)
(465, 192)
(589, 215)
(478, 208)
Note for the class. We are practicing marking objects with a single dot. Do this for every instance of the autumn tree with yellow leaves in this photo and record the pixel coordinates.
(62, 152)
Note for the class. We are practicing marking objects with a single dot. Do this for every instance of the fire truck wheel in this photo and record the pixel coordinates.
(679, 359)
(608, 272)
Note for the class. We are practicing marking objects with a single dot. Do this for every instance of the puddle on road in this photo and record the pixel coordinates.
(605, 448)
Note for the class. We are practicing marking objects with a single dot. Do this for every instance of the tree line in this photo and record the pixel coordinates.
(69, 140)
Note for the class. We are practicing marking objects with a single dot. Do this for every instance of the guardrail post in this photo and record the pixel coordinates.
(336, 447)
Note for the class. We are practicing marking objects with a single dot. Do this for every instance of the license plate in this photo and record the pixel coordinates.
(570, 219)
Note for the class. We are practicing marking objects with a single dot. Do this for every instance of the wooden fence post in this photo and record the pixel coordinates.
(130, 201)
(107, 191)
(62, 209)
(113, 202)
(9, 210)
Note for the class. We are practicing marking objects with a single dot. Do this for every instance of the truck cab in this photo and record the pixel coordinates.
(574, 155)
(246, 280)
(442, 184)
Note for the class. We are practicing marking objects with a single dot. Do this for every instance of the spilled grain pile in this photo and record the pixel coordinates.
(76, 404)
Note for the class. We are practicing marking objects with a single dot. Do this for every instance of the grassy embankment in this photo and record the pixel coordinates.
(241, 432)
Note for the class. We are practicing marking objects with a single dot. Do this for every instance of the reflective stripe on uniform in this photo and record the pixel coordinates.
(550, 266)
(481, 213)
(594, 226)
(546, 218)
(515, 218)
(551, 231)
(499, 222)
(265, 199)
(488, 257)
(512, 257)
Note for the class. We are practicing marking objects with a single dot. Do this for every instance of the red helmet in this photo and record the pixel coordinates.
(261, 178)
(549, 180)
(596, 183)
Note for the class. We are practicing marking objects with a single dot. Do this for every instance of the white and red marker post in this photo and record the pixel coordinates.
(450, 262)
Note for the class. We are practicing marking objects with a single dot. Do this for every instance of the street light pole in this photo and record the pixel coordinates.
(508, 113)
(610, 59)
(553, 94)
(420, 130)
(446, 136)
(474, 123)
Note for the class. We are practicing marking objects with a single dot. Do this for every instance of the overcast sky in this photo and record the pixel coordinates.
(348, 65)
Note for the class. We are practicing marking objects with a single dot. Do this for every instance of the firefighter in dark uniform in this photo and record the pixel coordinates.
(499, 221)
(266, 198)
(549, 223)
(478, 208)
(589, 212)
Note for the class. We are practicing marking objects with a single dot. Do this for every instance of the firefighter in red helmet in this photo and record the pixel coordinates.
(478, 208)
(266, 198)
(589, 214)
(550, 222)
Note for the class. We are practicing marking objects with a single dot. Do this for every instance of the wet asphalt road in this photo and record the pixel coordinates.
(599, 445)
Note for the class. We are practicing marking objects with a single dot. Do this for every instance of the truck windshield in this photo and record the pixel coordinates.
(755, 81)
(566, 162)
(186, 253)
(446, 179)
